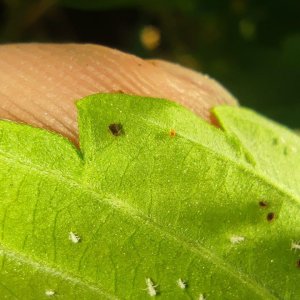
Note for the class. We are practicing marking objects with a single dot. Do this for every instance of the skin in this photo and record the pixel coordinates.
(39, 83)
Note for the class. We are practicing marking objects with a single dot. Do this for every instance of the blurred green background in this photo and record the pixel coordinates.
(251, 47)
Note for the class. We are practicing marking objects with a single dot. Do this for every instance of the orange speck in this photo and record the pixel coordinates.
(172, 133)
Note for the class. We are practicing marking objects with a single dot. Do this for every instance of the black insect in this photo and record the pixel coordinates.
(270, 216)
(263, 204)
(116, 129)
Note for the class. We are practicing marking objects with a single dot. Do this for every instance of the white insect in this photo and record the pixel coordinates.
(74, 238)
(49, 293)
(151, 288)
(295, 245)
(201, 297)
(181, 283)
(236, 239)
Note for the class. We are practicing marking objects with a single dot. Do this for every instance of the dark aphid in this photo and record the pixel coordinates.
(298, 263)
(270, 216)
(263, 204)
(116, 129)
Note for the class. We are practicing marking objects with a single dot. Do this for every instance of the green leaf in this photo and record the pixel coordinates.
(156, 195)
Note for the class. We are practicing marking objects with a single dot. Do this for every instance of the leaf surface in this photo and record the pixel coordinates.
(154, 193)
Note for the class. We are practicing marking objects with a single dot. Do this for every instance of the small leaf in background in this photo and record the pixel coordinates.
(139, 212)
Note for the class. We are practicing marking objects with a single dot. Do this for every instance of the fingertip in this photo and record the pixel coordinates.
(41, 83)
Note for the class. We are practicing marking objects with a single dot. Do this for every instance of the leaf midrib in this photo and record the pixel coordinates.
(122, 206)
